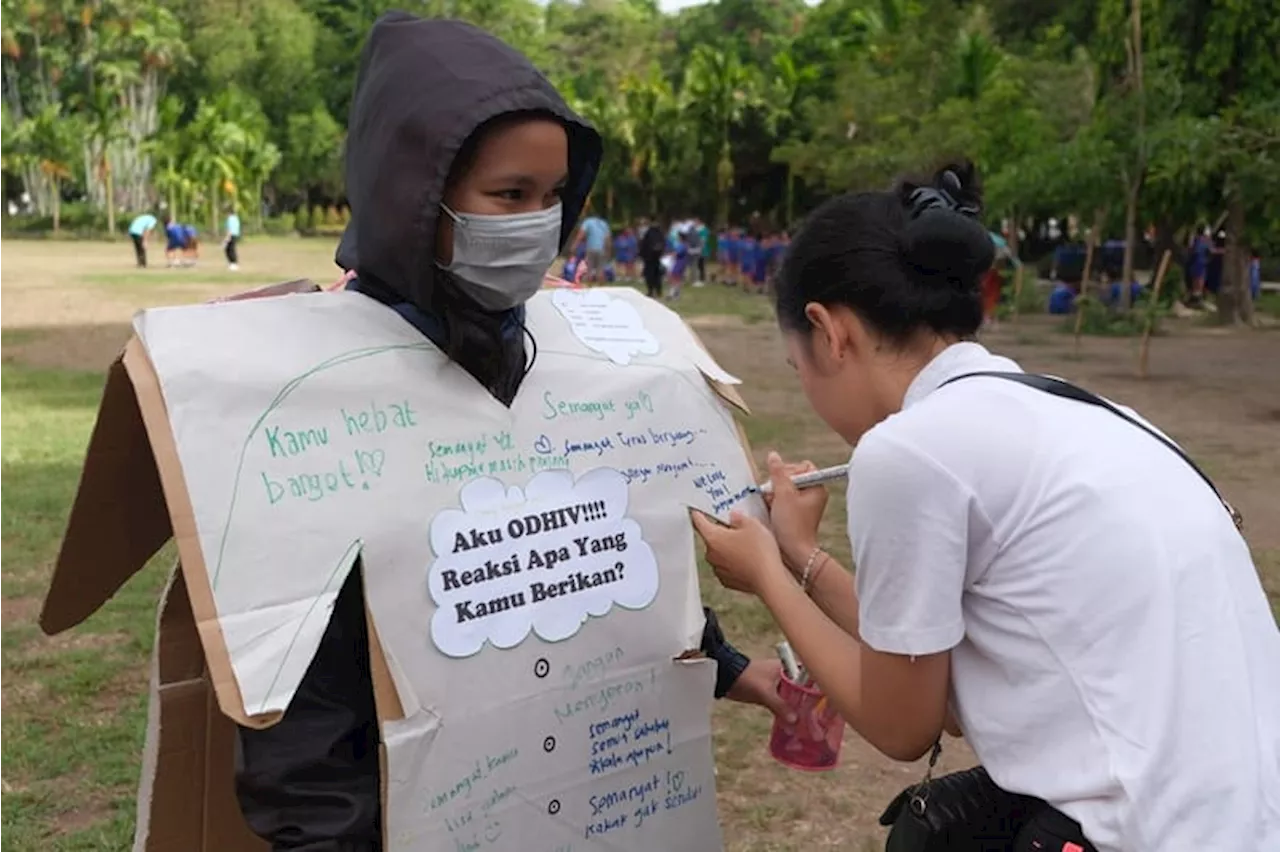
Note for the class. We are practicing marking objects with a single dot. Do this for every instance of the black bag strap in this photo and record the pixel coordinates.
(1066, 390)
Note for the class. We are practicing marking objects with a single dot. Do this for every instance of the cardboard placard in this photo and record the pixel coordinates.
(529, 571)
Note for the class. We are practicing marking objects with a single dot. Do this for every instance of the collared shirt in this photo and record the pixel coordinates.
(141, 224)
(1112, 651)
(596, 233)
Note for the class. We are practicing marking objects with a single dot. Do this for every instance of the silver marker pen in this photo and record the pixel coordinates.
(808, 480)
(789, 663)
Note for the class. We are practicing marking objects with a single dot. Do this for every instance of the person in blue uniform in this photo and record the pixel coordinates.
(174, 241)
(746, 260)
(624, 252)
(190, 245)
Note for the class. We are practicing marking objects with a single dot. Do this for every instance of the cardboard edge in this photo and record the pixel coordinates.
(286, 288)
(150, 768)
(146, 384)
(386, 697)
(728, 393)
(387, 705)
(108, 538)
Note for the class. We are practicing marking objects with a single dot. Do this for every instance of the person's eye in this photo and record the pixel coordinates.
(512, 194)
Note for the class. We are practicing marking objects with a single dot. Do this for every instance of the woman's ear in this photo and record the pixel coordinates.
(829, 337)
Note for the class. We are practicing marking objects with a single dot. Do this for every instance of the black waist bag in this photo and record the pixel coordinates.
(966, 811)
(961, 812)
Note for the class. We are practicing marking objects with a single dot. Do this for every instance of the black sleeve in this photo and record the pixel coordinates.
(310, 783)
(731, 661)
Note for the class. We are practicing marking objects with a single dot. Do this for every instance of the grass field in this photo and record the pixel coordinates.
(74, 704)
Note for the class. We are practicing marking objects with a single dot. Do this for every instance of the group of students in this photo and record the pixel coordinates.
(182, 241)
(749, 257)
(1203, 267)
(745, 257)
(1205, 264)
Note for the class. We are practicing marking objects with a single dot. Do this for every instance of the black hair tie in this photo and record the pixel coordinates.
(944, 238)
(945, 196)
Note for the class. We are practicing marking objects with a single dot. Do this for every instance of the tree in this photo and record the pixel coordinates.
(717, 92)
(789, 80)
(311, 162)
(51, 136)
(653, 133)
(719, 108)
(103, 110)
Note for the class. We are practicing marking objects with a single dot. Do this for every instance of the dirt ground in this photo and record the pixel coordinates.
(68, 305)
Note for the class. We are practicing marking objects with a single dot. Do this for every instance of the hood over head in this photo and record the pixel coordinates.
(424, 86)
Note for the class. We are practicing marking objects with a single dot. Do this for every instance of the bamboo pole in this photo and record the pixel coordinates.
(1017, 291)
(1145, 351)
(1084, 284)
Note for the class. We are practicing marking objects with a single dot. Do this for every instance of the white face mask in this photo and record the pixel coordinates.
(504, 258)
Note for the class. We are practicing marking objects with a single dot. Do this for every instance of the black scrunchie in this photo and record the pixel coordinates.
(944, 239)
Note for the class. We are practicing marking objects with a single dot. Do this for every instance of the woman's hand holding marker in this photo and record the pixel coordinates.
(795, 513)
(745, 551)
(744, 554)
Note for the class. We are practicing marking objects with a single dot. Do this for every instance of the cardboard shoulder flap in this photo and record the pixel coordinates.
(119, 519)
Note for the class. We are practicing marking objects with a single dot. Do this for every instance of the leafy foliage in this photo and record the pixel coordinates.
(725, 109)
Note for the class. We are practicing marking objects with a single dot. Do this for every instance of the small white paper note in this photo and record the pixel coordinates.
(607, 324)
(540, 558)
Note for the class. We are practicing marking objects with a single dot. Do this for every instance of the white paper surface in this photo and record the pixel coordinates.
(624, 324)
(314, 430)
(616, 760)
(606, 324)
(543, 557)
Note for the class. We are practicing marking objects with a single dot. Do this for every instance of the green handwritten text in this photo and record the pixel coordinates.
(285, 443)
(595, 409)
(377, 419)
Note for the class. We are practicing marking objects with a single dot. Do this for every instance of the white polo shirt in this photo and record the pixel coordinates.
(1112, 650)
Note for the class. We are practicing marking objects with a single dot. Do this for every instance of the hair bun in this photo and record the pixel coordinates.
(943, 238)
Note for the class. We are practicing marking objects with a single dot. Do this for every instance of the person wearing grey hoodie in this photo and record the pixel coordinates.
(457, 148)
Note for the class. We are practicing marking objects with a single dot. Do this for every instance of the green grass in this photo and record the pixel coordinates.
(74, 705)
(719, 300)
(161, 277)
(1268, 303)
(18, 336)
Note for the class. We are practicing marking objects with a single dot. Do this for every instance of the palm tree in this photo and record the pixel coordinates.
(718, 90)
(648, 111)
(52, 137)
(12, 156)
(789, 79)
(260, 159)
(217, 147)
(103, 109)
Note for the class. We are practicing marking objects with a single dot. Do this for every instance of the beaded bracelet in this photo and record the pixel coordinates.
(808, 568)
(813, 578)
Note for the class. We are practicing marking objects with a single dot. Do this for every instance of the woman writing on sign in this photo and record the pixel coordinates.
(453, 138)
(1050, 569)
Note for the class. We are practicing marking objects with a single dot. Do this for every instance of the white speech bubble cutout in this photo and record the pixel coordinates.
(605, 323)
(543, 559)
